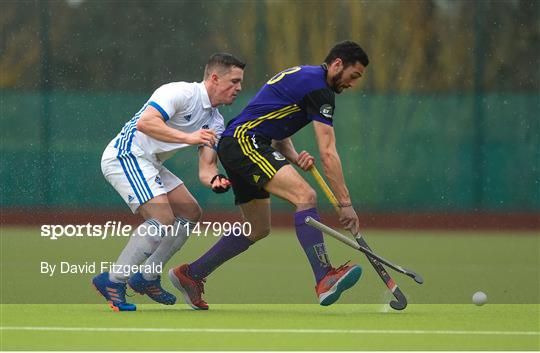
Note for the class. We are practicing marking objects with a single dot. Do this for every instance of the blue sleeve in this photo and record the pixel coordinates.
(161, 110)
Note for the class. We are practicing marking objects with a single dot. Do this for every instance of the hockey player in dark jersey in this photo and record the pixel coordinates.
(256, 149)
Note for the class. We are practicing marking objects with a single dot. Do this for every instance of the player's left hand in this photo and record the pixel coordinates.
(349, 219)
(305, 161)
(220, 184)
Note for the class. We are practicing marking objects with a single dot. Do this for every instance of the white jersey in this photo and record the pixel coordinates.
(184, 106)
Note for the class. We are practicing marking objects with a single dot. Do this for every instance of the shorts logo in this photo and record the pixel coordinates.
(130, 198)
(187, 117)
(158, 180)
(205, 127)
(327, 111)
(256, 178)
(278, 156)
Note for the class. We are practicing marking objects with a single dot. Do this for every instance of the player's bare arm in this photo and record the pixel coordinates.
(303, 159)
(208, 171)
(331, 162)
(152, 124)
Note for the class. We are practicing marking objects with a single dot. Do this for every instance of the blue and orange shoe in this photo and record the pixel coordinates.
(152, 288)
(336, 281)
(114, 293)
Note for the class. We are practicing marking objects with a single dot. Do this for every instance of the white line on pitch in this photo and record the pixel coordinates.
(263, 330)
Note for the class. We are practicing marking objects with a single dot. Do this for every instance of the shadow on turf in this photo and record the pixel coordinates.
(252, 309)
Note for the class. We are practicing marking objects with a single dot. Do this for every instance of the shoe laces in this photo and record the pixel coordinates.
(126, 292)
(154, 290)
(122, 294)
(342, 266)
(200, 285)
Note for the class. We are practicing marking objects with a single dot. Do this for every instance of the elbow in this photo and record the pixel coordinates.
(202, 178)
(142, 126)
(205, 176)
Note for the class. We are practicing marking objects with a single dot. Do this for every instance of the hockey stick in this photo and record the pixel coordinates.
(401, 302)
(337, 235)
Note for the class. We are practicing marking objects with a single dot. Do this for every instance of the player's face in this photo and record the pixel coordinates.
(229, 85)
(347, 77)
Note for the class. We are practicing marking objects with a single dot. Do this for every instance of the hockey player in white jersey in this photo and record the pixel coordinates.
(177, 115)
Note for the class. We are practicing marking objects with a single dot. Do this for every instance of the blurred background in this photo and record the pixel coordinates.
(443, 132)
(445, 120)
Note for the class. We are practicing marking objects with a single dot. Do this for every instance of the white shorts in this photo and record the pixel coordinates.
(135, 177)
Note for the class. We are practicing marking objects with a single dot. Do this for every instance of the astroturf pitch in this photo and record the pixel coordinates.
(264, 299)
(271, 327)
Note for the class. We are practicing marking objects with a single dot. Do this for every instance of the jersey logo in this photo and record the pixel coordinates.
(187, 117)
(205, 127)
(130, 198)
(256, 178)
(327, 111)
(254, 142)
(278, 156)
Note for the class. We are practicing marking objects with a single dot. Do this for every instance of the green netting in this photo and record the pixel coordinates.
(400, 152)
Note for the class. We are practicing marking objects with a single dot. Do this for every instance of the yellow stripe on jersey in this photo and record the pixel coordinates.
(252, 123)
(293, 108)
(245, 125)
(246, 147)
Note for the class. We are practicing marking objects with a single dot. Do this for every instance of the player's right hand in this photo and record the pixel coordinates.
(349, 219)
(220, 184)
(305, 161)
(202, 136)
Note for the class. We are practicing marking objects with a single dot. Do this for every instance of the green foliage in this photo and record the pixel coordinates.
(419, 46)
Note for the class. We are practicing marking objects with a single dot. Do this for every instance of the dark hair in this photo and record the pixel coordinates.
(349, 52)
(223, 62)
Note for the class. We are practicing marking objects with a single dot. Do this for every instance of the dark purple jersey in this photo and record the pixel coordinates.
(286, 103)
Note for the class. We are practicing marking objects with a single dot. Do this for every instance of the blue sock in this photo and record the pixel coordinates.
(312, 241)
(227, 247)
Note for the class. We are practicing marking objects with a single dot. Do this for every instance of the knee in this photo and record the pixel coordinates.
(193, 213)
(306, 197)
(259, 233)
(165, 219)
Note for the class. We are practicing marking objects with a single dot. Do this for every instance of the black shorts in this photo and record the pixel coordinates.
(250, 163)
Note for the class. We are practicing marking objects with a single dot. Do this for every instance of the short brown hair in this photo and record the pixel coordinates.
(223, 62)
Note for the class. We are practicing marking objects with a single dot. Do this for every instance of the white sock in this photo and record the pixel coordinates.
(169, 246)
(142, 244)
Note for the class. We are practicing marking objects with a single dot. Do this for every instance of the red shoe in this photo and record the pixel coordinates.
(336, 281)
(191, 289)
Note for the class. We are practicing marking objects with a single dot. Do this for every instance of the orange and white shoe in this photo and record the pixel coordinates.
(336, 281)
(192, 289)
